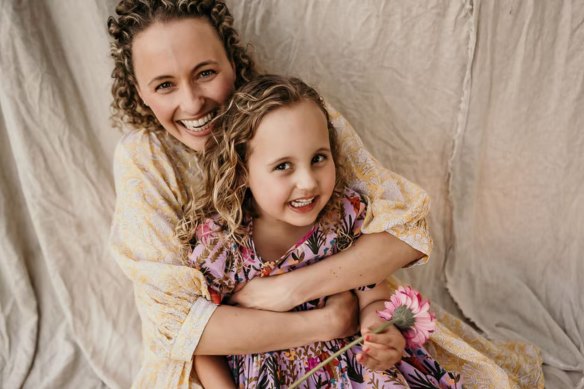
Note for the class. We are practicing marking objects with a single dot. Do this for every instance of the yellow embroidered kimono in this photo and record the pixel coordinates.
(152, 173)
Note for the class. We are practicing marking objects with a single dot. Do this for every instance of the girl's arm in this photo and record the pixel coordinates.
(213, 372)
(383, 350)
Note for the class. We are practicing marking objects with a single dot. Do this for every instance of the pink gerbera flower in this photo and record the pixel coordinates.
(410, 312)
(407, 310)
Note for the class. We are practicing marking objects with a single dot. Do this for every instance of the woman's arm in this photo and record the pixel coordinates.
(369, 260)
(236, 330)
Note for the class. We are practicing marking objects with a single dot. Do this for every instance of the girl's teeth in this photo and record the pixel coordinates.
(199, 124)
(301, 203)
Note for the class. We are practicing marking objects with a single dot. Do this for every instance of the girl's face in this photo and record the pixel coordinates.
(183, 75)
(290, 165)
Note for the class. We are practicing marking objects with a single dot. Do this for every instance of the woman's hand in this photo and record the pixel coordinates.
(383, 350)
(341, 315)
(267, 293)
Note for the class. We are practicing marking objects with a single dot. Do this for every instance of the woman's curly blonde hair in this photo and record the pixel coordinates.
(134, 16)
(224, 192)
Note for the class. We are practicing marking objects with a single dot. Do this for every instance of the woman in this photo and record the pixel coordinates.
(176, 62)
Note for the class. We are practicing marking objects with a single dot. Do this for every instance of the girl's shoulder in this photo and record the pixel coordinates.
(209, 237)
(209, 228)
(348, 205)
(212, 233)
(353, 200)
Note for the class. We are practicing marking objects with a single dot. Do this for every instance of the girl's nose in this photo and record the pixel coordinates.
(306, 180)
(192, 101)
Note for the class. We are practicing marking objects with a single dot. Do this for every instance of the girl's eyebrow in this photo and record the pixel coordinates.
(286, 159)
(280, 160)
(197, 67)
(327, 149)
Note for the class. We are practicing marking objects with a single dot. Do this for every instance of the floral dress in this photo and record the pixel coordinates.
(227, 265)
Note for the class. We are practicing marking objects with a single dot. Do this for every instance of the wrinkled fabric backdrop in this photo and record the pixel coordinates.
(480, 102)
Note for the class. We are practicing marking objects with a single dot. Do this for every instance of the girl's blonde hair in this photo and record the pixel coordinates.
(224, 191)
(134, 16)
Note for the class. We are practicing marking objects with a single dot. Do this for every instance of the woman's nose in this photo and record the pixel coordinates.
(192, 101)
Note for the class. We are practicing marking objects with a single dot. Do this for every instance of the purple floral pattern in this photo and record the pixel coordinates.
(227, 266)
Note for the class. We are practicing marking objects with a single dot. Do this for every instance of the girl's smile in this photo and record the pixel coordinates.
(304, 205)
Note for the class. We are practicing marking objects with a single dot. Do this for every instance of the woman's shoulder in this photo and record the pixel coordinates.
(156, 153)
(139, 144)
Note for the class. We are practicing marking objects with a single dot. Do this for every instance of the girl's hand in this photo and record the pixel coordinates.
(383, 350)
(267, 293)
(341, 315)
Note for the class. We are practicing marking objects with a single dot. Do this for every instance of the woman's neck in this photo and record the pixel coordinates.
(273, 240)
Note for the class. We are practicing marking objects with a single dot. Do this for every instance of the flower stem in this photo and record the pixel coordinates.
(329, 359)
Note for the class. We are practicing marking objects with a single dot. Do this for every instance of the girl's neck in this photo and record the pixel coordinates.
(273, 240)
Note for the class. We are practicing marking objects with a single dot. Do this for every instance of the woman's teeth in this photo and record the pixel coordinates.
(301, 203)
(199, 124)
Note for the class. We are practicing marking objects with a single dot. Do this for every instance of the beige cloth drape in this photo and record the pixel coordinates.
(478, 102)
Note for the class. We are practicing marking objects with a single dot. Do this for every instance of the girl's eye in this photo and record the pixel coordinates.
(319, 158)
(283, 166)
(164, 85)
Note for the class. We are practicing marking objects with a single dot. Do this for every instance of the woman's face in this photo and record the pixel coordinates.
(183, 75)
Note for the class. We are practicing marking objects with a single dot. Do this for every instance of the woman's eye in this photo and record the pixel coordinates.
(207, 73)
(283, 166)
(319, 158)
(164, 85)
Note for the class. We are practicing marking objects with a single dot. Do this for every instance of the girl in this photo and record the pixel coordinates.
(278, 196)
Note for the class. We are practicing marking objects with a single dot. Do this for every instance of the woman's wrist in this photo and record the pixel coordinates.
(295, 286)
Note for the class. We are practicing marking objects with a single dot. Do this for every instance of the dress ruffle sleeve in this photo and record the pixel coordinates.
(396, 205)
(172, 299)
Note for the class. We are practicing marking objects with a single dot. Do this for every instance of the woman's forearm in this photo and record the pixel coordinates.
(369, 260)
(235, 330)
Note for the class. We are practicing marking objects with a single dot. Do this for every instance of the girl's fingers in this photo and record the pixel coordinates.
(383, 339)
(379, 359)
(391, 338)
